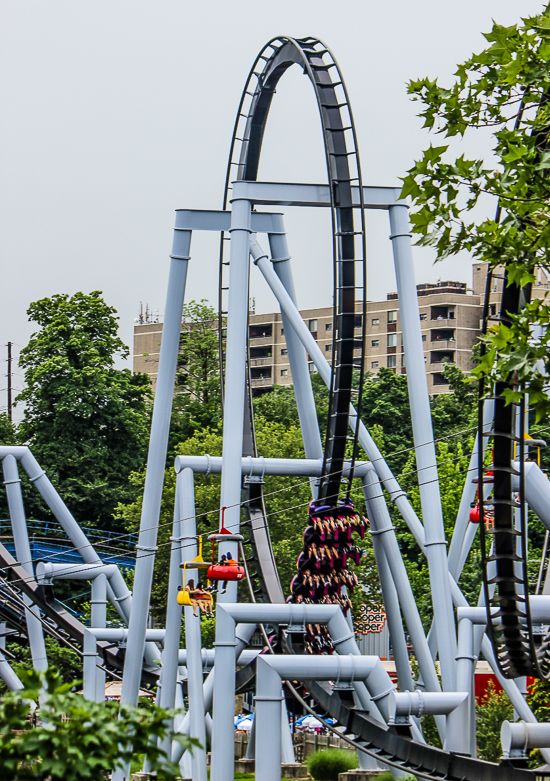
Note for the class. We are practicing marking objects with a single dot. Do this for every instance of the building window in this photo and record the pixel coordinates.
(375, 321)
(328, 326)
(328, 348)
(284, 351)
(423, 315)
(284, 372)
(392, 316)
(282, 331)
(391, 362)
(313, 325)
(358, 321)
(392, 340)
(375, 342)
(423, 337)
(374, 364)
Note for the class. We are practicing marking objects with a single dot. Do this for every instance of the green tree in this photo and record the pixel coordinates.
(386, 405)
(505, 88)
(492, 711)
(198, 400)
(85, 420)
(538, 700)
(78, 740)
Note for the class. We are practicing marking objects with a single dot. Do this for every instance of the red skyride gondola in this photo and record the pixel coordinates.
(227, 569)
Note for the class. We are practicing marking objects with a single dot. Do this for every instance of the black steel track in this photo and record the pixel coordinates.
(56, 619)
(505, 571)
(348, 228)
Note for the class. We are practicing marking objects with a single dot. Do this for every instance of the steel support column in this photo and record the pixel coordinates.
(435, 543)
(235, 372)
(158, 442)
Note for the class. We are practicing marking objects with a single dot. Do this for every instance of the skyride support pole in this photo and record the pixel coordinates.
(435, 543)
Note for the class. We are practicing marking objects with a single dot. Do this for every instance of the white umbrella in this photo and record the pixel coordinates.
(310, 722)
(244, 724)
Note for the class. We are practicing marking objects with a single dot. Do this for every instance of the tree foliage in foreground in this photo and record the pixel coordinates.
(86, 421)
(78, 740)
(504, 89)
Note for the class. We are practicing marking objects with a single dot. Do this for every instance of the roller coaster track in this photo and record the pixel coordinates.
(349, 252)
(505, 571)
(385, 743)
(55, 619)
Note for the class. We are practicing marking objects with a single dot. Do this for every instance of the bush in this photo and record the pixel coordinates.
(78, 740)
(326, 765)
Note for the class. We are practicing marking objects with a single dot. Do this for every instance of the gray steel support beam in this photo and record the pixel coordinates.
(197, 728)
(297, 356)
(117, 590)
(89, 689)
(378, 515)
(235, 373)
(270, 671)
(435, 543)
(267, 716)
(7, 674)
(98, 619)
(465, 668)
(158, 443)
(209, 220)
(243, 634)
(383, 532)
(208, 656)
(259, 467)
(397, 495)
(170, 659)
(12, 483)
(468, 496)
(297, 194)
(343, 640)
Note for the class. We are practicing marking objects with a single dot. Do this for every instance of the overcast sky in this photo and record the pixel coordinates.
(117, 112)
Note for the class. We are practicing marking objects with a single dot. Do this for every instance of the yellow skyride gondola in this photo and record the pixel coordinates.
(190, 596)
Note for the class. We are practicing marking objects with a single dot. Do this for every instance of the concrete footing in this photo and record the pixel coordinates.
(293, 771)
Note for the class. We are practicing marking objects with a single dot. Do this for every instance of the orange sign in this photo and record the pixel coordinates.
(371, 619)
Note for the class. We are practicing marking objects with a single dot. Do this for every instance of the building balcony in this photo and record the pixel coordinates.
(262, 382)
(439, 366)
(261, 341)
(261, 361)
(443, 344)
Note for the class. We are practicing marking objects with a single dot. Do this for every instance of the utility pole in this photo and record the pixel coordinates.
(9, 381)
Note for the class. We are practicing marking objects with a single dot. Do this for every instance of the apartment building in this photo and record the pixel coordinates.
(450, 321)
